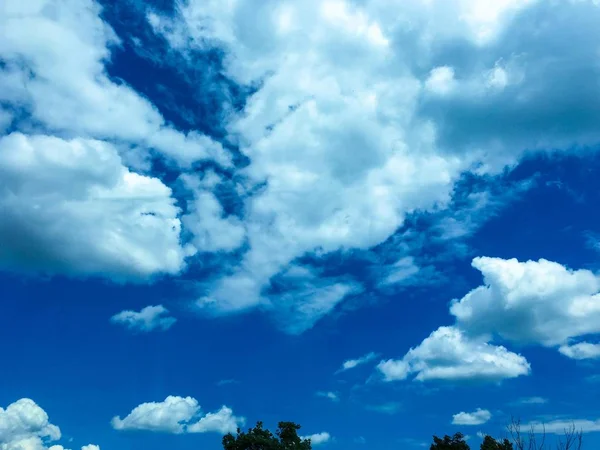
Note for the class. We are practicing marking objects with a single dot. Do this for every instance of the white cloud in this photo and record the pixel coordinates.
(582, 350)
(223, 421)
(352, 363)
(168, 416)
(447, 354)
(71, 206)
(333, 396)
(148, 319)
(477, 417)
(318, 438)
(341, 130)
(559, 426)
(441, 80)
(25, 426)
(56, 71)
(342, 137)
(534, 302)
(177, 415)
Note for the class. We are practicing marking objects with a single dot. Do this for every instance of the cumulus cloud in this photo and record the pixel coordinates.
(223, 421)
(359, 118)
(177, 415)
(24, 425)
(448, 354)
(387, 127)
(352, 363)
(477, 417)
(56, 72)
(318, 438)
(148, 319)
(71, 206)
(532, 302)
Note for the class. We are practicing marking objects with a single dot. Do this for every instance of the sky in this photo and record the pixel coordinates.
(375, 218)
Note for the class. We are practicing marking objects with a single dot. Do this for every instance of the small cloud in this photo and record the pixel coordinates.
(148, 319)
(333, 396)
(360, 440)
(318, 438)
(531, 401)
(441, 80)
(352, 363)
(413, 442)
(582, 350)
(385, 408)
(226, 382)
(478, 417)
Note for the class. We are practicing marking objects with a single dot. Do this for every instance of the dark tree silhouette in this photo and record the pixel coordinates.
(258, 438)
(489, 443)
(456, 442)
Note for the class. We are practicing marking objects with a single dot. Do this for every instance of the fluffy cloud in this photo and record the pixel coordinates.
(447, 354)
(345, 163)
(477, 417)
(223, 421)
(352, 363)
(318, 438)
(177, 415)
(148, 319)
(25, 426)
(56, 73)
(533, 302)
(359, 118)
(71, 206)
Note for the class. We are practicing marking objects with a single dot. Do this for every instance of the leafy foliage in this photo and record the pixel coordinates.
(259, 438)
(456, 442)
(489, 443)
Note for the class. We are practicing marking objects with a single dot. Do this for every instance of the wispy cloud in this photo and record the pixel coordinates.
(353, 363)
(385, 408)
(333, 396)
(226, 382)
(530, 401)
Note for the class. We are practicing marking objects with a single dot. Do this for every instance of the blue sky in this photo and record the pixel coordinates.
(376, 218)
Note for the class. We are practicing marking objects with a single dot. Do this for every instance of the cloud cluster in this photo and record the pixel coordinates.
(362, 116)
(178, 415)
(148, 319)
(526, 303)
(25, 426)
(358, 118)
